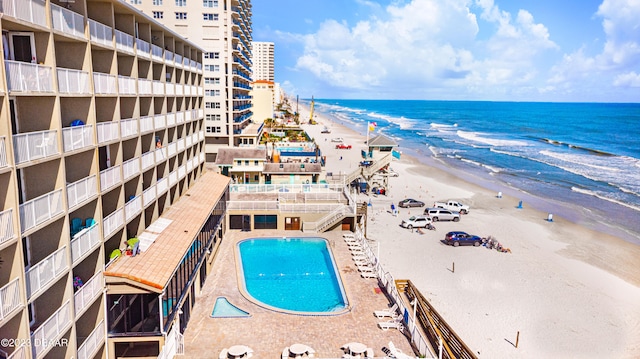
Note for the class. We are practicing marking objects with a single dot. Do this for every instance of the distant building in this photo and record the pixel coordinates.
(263, 100)
(263, 61)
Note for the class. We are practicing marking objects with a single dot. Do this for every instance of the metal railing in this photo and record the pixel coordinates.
(148, 160)
(146, 124)
(252, 205)
(168, 56)
(67, 21)
(40, 209)
(77, 137)
(108, 131)
(156, 52)
(93, 342)
(144, 48)
(35, 145)
(162, 186)
(132, 208)
(87, 294)
(171, 119)
(158, 88)
(46, 271)
(112, 222)
(170, 89)
(82, 190)
(173, 178)
(128, 127)
(131, 168)
(84, 242)
(101, 33)
(20, 352)
(73, 81)
(323, 223)
(285, 187)
(104, 83)
(161, 154)
(149, 195)
(46, 335)
(172, 149)
(182, 171)
(7, 232)
(145, 87)
(159, 122)
(32, 11)
(126, 85)
(180, 144)
(10, 298)
(3, 153)
(110, 177)
(124, 41)
(27, 77)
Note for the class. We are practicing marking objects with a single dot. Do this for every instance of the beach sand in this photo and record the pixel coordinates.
(569, 291)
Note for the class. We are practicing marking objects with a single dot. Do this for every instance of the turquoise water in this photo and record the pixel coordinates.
(223, 309)
(293, 274)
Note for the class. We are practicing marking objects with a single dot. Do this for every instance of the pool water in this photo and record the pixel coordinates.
(292, 274)
(223, 309)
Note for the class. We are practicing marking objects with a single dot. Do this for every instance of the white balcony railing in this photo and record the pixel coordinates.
(107, 132)
(172, 149)
(3, 153)
(7, 232)
(161, 186)
(32, 11)
(27, 77)
(87, 294)
(180, 117)
(171, 119)
(126, 85)
(179, 90)
(73, 81)
(128, 127)
(173, 178)
(190, 165)
(40, 209)
(144, 48)
(159, 122)
(200, 113)
(77, 137)
(104, 83)
(178, 60)
(67, 21)
(100, 33)
(149, 195)
(182, 171)
(20, 352)
(158, 88)
(132, 208)
(124, 41)
(156, 52)
(131, 168)
(110, 178)
(148, 160)
(85, 241)
(93, 342)
(46, 271)
(10, 298)
(49, 332)
(145, 87)
(35, 145)
(201, 157)
(170, 89)
(161, 154)
(180, 143)
(80, 191)
(189, 140)
(169, 56)
(200, 135)
(112, 222)
(146, 124)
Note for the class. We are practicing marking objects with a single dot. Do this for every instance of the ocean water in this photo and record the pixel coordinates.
(578, 160)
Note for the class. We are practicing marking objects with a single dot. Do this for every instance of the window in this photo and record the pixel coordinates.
(210, 17)
(268, 221)
(211, 117)
(212, 105)
(210, 3)
(212, 92)
(212, 80)
(255, 163)
(214, 68)
(181, 16)
(158, 14)
(211, 55)
(136, 2)
(181, 2)
(157, 2)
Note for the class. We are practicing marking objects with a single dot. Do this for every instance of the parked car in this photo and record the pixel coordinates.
(325, 130)
(409, 202)
(342, 146)
(441, 214)
(337, 139)
(458, 238)
(416, 222)
(453, 206)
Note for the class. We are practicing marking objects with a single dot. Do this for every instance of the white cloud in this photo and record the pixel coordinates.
(629, 79)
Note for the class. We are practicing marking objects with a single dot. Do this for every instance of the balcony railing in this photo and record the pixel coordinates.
(100, 33)
(93, 342)
(50, 331)
(10, 298)
(189, 140)
(158, 88)
(128, 127)
(169, 56)
(124, 41)
(180, 117)
(147, 160)
(7, 232)
(179, 90)
(201, 157)
(182, 171)
(132, 208)
(171, 119)
(126, 85)
(112, 222)
(32, 11)
(3, 153)
(131, 168)
(156, 52)
(146, 124)
(27, 77)
(77, 137)
(107, 132)
(145, 87)
(161, 154)
(190, 165)
(82, 190)
(159, 122)
(35, 145)
(172, 149)
(173, 178)
(67, 21)
(46, 271)
(144, 48)
(73, 81)
(40, 209)
(170, 89)
(20, 352)
(180, 143)
(104, 83)
(85, 241)
(110, 178)
(87, 294)
(178, 60)
(161, 186)
(149, 195)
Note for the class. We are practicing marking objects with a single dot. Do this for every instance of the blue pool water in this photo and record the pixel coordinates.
(224, 309)
(292, 274)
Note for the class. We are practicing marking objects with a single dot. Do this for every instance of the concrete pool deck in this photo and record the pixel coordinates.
(268, 332)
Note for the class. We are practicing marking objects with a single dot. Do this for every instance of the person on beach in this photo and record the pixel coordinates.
(393, 210)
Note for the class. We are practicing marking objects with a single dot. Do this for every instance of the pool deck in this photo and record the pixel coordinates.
(268, 332)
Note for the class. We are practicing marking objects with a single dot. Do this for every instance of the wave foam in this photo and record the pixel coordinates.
(476, 137)
(597, 195)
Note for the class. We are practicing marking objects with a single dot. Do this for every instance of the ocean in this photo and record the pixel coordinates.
(577, 160)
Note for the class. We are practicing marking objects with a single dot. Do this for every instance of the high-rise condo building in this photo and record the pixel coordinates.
(263, 61)
(223, 29)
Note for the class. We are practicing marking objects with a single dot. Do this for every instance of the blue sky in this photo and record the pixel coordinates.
(513, 50)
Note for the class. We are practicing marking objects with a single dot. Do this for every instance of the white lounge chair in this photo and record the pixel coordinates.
(389, 312)
(368, 274)
(392, 324)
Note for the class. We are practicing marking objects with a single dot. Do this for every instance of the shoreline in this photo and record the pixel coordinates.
(565, 285)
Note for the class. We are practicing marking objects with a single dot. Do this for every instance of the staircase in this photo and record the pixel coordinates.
(367, 172)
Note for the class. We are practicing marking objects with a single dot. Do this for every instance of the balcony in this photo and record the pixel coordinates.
(170, 89)
(40, 209)
(149, 195)
(100, 33)
(158, 88)
(131, 168)
(144, 49)
(73, 81)
(85, 241)
(110, 178)
(161, 155)
(173, 178)
(133, 208)
(156, 53)
(201, 157)
(148, 160)
(128, 128)
(189, 140)
(10, 299)
(180, 117)
(159, 122)
(201, 135)
(178, 60)
(171, 119)
(51, 330)
(46, 271)
(32, 11)
(182, 171)
(161, 186)
(126, 85)
(104, 84)
(67, 21)
(81, 191)
(146, 124)
(180, 143)
(107, 132)
(112, 222)
(35, 145)
(7, 232)
(27, 77)
(77, 137)
(3, 153)
(145, 87)
(172, 149)
(94, 341)
(87, 294)
(168, 57)
(190, 165)
(124, 42)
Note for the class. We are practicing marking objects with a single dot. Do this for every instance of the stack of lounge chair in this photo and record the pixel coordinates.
(365, 261)
(392, 318)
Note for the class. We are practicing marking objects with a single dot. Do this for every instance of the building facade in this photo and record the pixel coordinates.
(102, 132)
(263, 56)
(223, 29)
(263, 95)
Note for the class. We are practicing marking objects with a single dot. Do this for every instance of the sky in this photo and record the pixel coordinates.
(494, 50)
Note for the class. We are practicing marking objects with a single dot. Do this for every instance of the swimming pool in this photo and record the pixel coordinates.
(291, 274)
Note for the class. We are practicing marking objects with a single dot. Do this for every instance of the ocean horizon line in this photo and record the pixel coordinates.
(479, 101)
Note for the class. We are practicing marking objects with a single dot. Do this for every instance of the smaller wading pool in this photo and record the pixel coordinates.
(292, 275)
(224, 309)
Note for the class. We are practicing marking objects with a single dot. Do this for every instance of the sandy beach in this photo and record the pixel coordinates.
(569, 291)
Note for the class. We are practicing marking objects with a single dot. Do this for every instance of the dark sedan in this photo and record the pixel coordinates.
(407, 203)
(462, 239)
